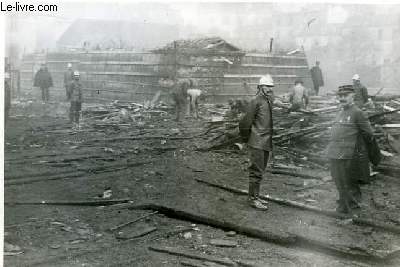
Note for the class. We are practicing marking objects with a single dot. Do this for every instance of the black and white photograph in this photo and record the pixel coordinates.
(200, 133)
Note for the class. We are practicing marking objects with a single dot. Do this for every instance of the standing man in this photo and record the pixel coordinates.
(44, 81)
(68, 77)
(75, 87)
(361, 92)
(299, 96)
(7, 96)
(351, 133)
(316, 76)
(179, 95)
(256, 129)
(193, 100)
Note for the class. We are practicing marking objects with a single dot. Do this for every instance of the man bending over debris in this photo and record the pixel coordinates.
(179, 95)
(350, 136)
(298, 96)
(256, 129)
(75, 89)
(193, 99)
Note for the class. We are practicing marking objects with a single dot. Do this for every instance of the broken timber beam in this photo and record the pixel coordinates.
(25, 179)
(295, 204)
(383, 113)
(41, 179)
(72, 203)
(191, 255)
(280, 237)
(131, 222)
(296, 174)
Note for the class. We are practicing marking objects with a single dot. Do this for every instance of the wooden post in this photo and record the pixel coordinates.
(270, 44)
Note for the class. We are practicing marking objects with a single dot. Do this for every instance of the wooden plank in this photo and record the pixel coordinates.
(273, 56)
(257, 76)
(191, 255)
(295, 204)
(118, 227)
(137, 234)
(394, 125)
(274, 66)
(71, 203)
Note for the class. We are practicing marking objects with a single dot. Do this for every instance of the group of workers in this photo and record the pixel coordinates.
(351, 138)
(351, 132)
(73, 90)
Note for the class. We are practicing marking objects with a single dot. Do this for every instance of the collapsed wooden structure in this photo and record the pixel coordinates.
(219, 68)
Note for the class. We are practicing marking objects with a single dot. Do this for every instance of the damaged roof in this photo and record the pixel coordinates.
(208, 45)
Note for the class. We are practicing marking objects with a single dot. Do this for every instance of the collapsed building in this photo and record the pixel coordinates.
(222, 70)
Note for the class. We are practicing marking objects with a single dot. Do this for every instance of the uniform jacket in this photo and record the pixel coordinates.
(75, 87)
(361, 94)
(43, 79)
(350, 131)
(316, 76)
(68, 77)
(256, 124)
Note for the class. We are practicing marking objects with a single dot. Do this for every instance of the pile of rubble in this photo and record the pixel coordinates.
(301, 137)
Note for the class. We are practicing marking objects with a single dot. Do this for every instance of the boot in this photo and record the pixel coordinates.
(254, 201)
(257, 189)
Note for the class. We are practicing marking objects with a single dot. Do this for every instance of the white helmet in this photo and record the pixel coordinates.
(69, 65)
(76, 73)
(266, 80)
(356, 77)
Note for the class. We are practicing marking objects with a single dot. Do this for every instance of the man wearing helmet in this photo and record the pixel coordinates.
(75, 88)
(256, 129)
(68, 77)
(361, 92)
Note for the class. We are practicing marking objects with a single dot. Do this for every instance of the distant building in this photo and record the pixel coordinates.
(95, 34)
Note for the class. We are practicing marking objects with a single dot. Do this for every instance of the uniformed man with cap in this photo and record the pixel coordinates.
(75, 87)
(361, 92)
(350, 134)
(256, 129)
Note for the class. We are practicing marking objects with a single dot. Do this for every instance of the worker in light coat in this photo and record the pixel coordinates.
(75, 87)
(361, 92)
(298, 96)
(193, 100)
(68, 77)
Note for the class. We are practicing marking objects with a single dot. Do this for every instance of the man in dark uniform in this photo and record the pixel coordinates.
(256, 129)
(68, 77)
(75, 87)
(361, 92)
(316, 76)
(7, 96)
(44, 81)
(350, 134)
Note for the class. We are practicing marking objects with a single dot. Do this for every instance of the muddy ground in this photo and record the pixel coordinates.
(155, 165)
